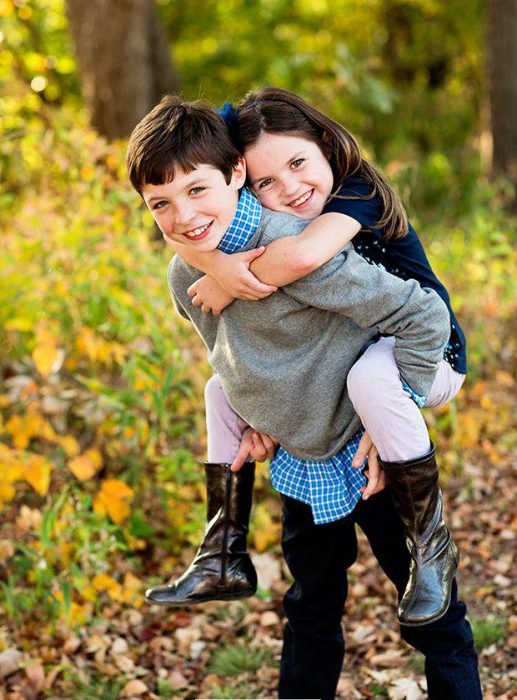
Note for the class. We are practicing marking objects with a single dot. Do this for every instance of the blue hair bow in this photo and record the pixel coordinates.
(229, 114)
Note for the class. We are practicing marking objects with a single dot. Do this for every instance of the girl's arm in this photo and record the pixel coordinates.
(257, 273)
(293, 257)
(231, 272)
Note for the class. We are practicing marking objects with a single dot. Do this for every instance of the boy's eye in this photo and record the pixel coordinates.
(296, 163)
(265, 183)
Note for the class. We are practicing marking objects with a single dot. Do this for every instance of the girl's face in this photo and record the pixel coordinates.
(290, 174)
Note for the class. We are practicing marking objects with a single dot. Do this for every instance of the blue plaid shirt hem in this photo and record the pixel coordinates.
(331, 487)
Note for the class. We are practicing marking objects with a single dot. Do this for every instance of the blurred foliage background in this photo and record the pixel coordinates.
(101, 422)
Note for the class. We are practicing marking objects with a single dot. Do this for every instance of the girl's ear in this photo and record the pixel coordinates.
(239, 174)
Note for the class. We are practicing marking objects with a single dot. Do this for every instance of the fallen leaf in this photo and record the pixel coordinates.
(134, 687)
(405, 689)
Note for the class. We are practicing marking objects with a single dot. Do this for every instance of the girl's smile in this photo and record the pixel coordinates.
(290, 174)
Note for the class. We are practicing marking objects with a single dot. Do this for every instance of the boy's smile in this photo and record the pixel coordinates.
(196, 208)
(289, 173)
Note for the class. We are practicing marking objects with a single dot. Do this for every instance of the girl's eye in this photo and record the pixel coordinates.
(265, 183)
(197, 190)
(159, 205)
(296, 163)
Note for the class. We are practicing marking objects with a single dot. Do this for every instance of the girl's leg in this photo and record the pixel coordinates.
(389, 414)
(446, 385)
(224, 426)
(398, 430)
(222, 568)
(451, 665)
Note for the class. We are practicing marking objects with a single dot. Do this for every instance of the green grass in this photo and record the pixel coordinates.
(234, 659)
(165, 690)
(239, 691)
(488, 631)
(378, 691)
(97, 689)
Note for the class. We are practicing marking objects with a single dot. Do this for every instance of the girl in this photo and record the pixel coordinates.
(302, 162)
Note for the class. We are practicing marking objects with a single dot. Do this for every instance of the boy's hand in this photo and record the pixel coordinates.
(254, 445)
(375, 475)
(234, 276)
(209, 295)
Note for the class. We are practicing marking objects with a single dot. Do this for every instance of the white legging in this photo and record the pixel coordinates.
(388, 413)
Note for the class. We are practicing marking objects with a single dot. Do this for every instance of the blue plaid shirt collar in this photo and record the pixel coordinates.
(244, 224)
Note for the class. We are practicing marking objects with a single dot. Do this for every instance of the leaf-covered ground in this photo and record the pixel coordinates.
(231, 650)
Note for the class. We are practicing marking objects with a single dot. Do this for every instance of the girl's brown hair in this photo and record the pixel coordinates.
(276, 111)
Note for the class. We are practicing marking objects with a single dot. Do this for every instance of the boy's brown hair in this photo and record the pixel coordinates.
(178, 134)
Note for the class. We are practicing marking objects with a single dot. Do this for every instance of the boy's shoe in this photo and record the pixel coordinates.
(222, 568)
(434, 556)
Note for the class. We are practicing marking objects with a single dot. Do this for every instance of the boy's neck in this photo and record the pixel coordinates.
(244, 223)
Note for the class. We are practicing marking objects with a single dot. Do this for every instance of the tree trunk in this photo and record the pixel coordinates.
(123, 59)
(502, 73)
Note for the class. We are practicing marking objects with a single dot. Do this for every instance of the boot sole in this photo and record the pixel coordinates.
(185, 603)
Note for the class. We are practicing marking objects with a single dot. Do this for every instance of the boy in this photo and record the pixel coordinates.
(283, 363)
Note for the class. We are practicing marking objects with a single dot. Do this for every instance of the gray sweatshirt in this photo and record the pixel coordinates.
(283, 361)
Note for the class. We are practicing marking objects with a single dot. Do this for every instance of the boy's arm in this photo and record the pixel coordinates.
(373, 298)
(287, 259)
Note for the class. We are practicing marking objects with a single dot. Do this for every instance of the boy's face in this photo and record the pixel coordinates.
(196, 208)
(289, 173)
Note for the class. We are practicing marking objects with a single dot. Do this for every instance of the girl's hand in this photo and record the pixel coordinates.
(234, 276)
(209, 295)
(375, 475)
(256, 446)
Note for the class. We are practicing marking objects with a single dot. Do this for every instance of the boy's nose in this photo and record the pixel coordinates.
(183, 215)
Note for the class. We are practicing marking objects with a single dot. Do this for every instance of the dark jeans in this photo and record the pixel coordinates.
(318, 557)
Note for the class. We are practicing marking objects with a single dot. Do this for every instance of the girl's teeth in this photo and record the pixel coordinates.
(302, 199)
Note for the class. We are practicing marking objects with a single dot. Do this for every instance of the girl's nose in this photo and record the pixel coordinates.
(289, 185)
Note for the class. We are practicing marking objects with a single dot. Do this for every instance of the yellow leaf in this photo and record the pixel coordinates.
(47, 356)
(87, 172)
(19, 431)
(7, 493)
(132, 589)
(267, 531)
(18, 324)
(103, 582)
(113, 499)
(6, 8)
(24, 428)
(37, 473)
(88, 593)
(69, 444)
(86, 465)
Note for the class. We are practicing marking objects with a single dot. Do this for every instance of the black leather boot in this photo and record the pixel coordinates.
(434, 556)
(222, 568)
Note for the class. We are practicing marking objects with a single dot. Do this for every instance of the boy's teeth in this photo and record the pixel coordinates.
(301, 199)
(197, 231)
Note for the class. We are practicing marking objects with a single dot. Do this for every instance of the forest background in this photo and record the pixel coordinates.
(101, 413)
